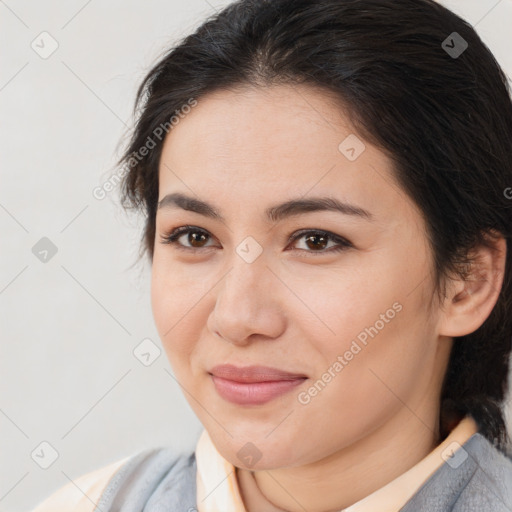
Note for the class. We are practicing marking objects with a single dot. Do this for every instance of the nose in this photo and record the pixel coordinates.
(248, 303)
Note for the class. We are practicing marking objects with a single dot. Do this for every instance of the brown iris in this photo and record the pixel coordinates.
(196, 237)
(317, 245)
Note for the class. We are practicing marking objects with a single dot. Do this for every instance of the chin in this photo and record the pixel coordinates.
(256, 453)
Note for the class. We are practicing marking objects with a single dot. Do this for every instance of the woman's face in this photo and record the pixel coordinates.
(348, 320)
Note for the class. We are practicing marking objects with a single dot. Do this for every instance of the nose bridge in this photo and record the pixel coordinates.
(248, 280)
(244, 304)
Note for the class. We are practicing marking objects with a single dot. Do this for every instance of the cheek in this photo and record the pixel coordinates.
(368, 331)
(336, 306)
(365, 384)
(387, 363)
(174, 301)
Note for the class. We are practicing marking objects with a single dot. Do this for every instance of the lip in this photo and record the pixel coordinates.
(253, 385)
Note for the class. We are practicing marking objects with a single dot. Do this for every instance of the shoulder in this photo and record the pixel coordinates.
(157, 474)
(490, 485)
(81, 494)
(161, 477)
(477, 477)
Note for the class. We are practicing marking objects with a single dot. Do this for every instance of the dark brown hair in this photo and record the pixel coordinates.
(436, 102)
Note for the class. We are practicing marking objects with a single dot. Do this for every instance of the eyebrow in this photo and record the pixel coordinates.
(274, 213)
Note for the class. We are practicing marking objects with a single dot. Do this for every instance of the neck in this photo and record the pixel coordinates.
(353, 472)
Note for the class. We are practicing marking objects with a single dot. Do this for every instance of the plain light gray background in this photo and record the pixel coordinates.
(70, 324)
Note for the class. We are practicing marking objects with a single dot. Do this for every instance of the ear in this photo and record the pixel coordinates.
(469, 302)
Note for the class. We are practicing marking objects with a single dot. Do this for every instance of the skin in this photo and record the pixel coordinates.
(298, 308)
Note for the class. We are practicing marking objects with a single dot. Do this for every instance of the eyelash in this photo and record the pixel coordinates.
(171, 238)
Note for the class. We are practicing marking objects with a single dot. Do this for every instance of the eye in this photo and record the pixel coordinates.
(195, 236)
(319, 241)
(316, 241)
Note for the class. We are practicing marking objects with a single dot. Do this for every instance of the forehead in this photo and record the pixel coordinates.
(251, 144)
(280, 122)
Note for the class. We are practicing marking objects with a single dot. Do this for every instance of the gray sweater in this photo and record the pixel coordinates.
(159, 480)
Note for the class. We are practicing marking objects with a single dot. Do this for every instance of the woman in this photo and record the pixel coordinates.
(326, 186)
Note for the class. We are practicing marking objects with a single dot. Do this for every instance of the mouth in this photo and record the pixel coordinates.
(253, 385)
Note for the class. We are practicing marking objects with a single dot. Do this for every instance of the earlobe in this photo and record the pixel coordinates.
(469, 301)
